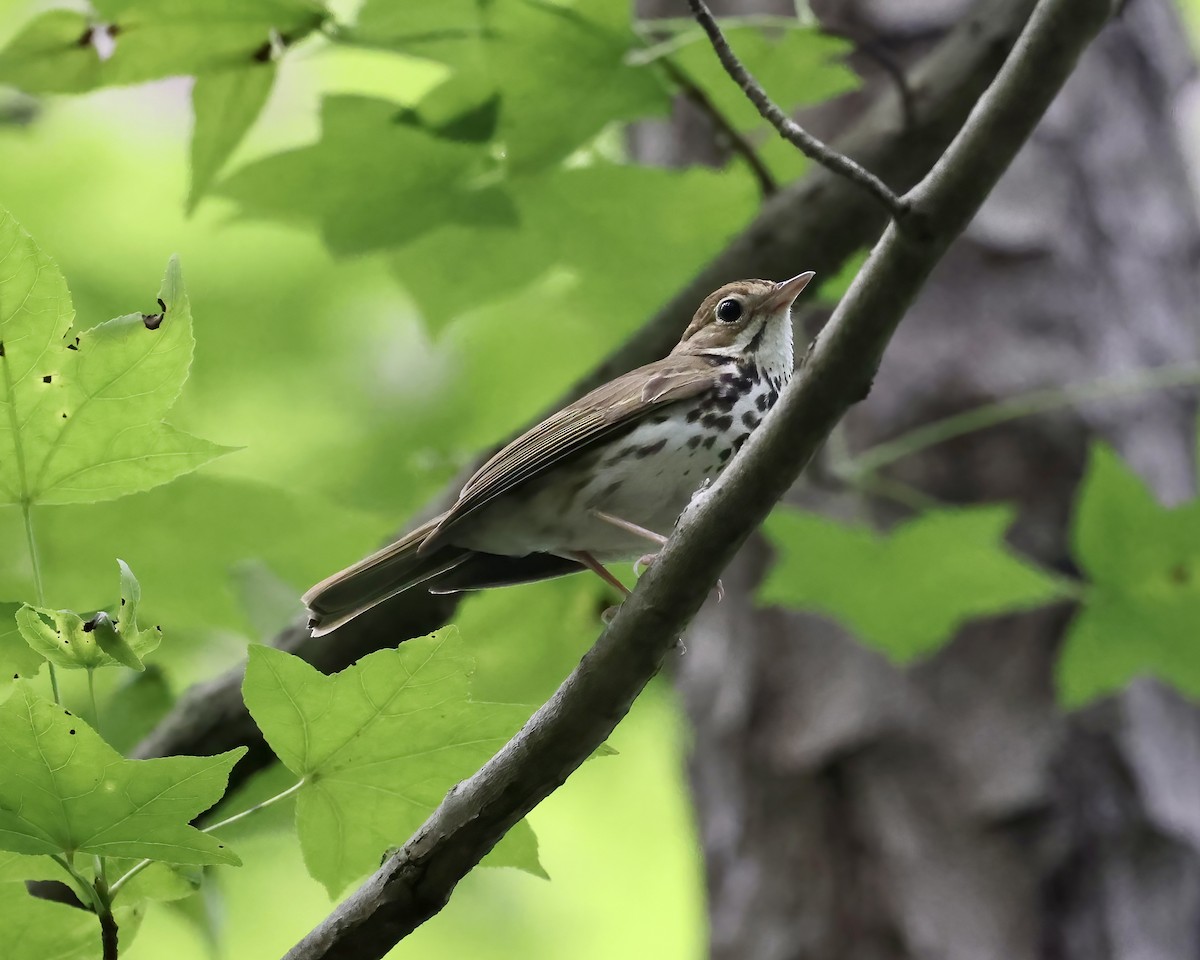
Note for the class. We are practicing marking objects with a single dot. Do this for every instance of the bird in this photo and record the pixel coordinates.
(600, 480)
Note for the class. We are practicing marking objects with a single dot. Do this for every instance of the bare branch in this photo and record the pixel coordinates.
(417, 881)
(737, 142)
(815, 223)
(791, 131)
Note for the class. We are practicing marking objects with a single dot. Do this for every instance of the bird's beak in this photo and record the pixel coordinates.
(786, 292)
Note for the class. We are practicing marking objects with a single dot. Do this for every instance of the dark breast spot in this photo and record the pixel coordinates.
(750, 419)
(721, 423)
(694, 414)
(761, 401)
(738, 441)
(694, 441)
(651, 448)
(709, 441)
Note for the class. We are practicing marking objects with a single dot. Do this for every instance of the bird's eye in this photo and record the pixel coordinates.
(729, 310)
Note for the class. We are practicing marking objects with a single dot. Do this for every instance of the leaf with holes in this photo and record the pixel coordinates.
(379, 744)
(66, 791)
(67, 640)
(132, 41)
(81, 416)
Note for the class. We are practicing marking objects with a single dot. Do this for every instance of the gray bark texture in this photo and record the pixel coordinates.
(951, 811)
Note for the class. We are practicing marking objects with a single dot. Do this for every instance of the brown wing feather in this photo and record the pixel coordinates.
(614, 406)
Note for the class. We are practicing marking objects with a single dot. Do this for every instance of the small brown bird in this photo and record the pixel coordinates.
(602, 478)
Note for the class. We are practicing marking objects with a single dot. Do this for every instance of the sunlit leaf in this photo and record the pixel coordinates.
(66, 791)
(17, 658)
(160, 881)
(630, 235)
(67, 640)
(18, 867)
(380, 744)
(36, 929)
(81, 417)
(559, 70)
(131, 41)
(202, 527)
(52, 53)
(372, 180)
(906, 591)
(225, 104)
(1141, 611)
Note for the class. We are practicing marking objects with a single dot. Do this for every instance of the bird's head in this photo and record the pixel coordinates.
(748, 319)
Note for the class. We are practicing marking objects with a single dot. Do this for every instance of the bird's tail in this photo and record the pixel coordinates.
(382, 575)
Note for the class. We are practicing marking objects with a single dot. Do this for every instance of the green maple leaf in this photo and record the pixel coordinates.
(1141, 611)
(372, 180)
(81, 417)
(225, 105)
(37, 929)
(17, 659)
(533, 58)
(378, 746)
(151, 39)
(67, 640)
(904, 592)
(66, 791)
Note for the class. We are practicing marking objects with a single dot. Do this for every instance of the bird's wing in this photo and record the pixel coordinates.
(609, 409)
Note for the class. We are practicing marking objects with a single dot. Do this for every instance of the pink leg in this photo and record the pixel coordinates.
(630, 526)
(599, 570)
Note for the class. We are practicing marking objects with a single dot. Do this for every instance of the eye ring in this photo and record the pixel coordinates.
(730, 310)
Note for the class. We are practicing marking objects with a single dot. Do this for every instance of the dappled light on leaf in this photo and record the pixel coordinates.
(380, 744)
(103, 803)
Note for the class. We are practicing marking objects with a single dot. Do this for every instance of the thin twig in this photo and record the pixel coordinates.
(1027, 404)
(416, 882)
(787, 128)
(734, 137)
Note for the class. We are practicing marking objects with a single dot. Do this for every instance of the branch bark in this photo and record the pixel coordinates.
(816, 222)
(416, 882)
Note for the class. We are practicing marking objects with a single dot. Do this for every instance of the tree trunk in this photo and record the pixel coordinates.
(951, 811)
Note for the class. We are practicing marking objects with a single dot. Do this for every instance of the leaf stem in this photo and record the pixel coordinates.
(100, 898)
(38, 586)
(1014, 408)
(91, 680)
(270, 801)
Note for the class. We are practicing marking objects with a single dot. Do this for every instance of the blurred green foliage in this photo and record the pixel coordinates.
(407, 229)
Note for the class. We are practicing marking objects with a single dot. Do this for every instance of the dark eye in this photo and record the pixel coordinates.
(729, 310)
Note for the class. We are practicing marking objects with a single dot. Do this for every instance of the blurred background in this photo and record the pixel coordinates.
(898, 794)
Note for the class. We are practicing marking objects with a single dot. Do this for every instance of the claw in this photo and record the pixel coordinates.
(606, 617)
(643, 563)
(720, 591)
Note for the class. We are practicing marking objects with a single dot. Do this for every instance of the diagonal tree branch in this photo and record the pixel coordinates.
(788, 128)
(416, 882)
(816, 222)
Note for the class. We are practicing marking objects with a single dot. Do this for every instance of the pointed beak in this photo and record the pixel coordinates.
(785, 293)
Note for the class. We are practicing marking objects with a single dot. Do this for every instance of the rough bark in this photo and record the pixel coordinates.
(851, 808)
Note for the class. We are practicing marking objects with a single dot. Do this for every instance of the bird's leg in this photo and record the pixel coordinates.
(644, 561)
(631, 527)
(604, 574)
(599, 570)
